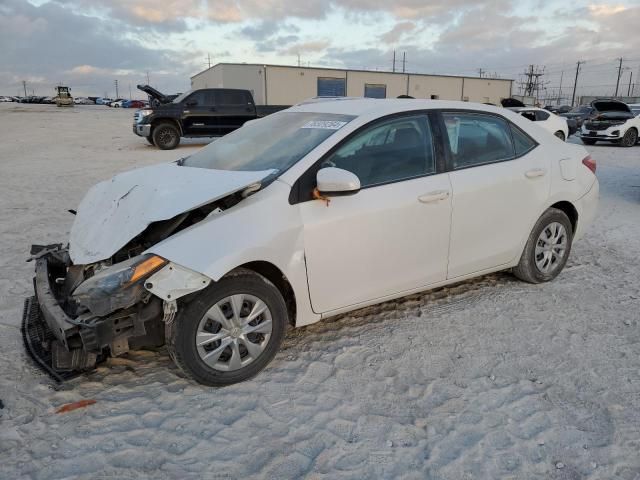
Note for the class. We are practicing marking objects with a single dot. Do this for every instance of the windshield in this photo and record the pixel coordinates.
(181, 97)
(276, 142)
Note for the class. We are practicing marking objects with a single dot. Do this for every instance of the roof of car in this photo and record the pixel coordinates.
(372, 106)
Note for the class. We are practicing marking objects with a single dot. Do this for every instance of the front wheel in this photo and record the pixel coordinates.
(166, 136)
(630, 138)
(547, 248)
(560, 135)
(230, 331)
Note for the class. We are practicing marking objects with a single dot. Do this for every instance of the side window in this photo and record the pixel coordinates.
(231, 97)
(209, 97)
(390, 151)
(529, 115)
(521, 141)
(541, 116)
(196, 98)
(476, 139)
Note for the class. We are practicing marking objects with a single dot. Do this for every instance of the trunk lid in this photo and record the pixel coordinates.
(117, 210)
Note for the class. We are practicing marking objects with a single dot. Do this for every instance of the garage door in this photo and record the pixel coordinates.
(331, 87)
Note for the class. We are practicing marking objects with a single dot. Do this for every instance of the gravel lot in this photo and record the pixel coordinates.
(490, 378)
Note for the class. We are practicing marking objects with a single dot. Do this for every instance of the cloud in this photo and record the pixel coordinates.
(398, 31)
(306, 47)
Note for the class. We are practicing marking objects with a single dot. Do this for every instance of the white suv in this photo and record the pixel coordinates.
(613, 121)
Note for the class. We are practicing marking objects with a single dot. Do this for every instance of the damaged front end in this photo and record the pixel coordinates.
(81, 314)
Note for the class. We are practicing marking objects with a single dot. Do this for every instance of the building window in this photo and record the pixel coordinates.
(372, 90)
(331, 87)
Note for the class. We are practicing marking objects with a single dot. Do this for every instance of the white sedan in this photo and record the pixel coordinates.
(311, 212)
(551, 122)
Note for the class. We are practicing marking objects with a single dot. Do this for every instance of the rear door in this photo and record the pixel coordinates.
(233, 108)
(500, 180)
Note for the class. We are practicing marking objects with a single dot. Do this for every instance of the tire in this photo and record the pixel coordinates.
(166, 136)
(588, 141)
(542, 239)
(560, 135)
(191, 322)
(630, 138)
(150, 140)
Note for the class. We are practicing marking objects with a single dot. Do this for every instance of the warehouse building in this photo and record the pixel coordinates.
(286, 85)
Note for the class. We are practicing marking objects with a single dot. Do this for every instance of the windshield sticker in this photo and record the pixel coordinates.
(324, 124)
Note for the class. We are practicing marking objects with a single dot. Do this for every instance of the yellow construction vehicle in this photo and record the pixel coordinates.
(63, 97)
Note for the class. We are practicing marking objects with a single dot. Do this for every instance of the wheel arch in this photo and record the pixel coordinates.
(157, 121)
(570, 211)
(272, 273)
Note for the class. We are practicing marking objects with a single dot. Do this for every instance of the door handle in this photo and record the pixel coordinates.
(435, 196)
(535, 172)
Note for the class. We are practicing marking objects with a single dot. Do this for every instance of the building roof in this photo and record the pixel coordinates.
(335, 69)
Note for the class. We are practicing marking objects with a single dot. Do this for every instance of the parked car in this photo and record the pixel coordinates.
(198, 113)
(612, 121)
(82, 101)
(103, 101)
(5, 99)
(549, 121)
(134, 104)
(318, 210)
(117, 103)
(579, 114)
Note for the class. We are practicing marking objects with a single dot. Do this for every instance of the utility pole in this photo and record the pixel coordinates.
(298, 58)
(394, 61)
(24, 85)
(560, 89)
(148, 81)
(630, 77)
(480, 72)
(115, 82)
(575, 83)
(129, 90)
(619, 75)
(404, 61)
(209, 59)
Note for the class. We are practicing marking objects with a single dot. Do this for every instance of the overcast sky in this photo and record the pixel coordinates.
(87, 44)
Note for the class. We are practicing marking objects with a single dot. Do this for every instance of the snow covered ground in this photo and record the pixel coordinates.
(490, 378)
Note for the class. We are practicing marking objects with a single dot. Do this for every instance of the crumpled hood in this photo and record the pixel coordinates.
(115, 211)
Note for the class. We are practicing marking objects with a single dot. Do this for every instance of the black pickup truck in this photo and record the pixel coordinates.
(207, 112)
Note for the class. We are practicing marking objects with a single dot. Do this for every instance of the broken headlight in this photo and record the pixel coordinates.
(117, 286)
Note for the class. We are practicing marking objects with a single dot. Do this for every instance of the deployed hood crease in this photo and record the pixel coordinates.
(117, 210)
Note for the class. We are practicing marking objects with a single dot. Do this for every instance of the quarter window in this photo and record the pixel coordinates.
(521, 141)
(476, 139)
(541, 116)
(390, 151)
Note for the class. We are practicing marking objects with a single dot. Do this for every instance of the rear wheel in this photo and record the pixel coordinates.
(547, 248)
(560, 135)
(230, 331)
(166, 136)
(588, 141)
(630, 138)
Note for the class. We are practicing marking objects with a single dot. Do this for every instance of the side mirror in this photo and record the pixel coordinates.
(332, 181)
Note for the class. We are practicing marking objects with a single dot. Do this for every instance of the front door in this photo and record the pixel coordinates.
(500, 178)
(390, 237)
(198, 114)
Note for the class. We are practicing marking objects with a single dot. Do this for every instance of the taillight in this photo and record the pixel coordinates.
(590, 163)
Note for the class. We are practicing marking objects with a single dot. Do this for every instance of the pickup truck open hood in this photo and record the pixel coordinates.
(115, 211)
(609, 105)
(153, 93)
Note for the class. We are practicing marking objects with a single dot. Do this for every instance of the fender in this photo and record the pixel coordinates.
(247, 232)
